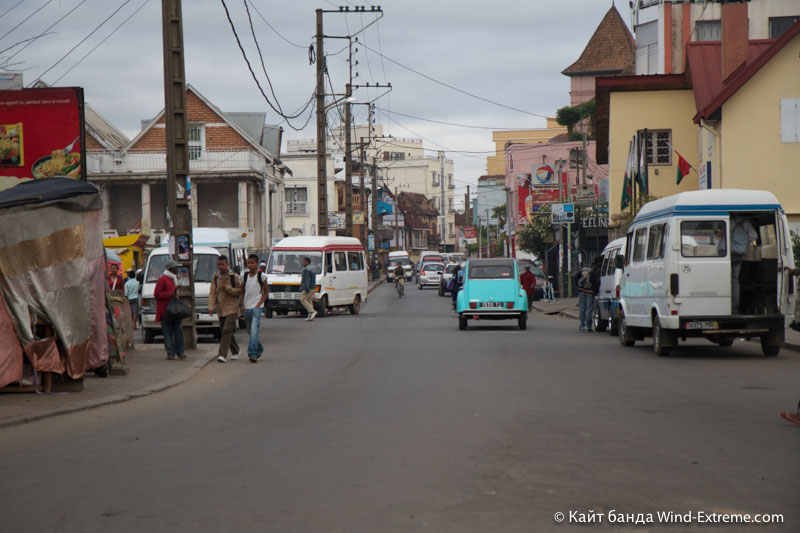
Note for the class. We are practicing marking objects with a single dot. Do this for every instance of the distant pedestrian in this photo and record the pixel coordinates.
(114, 277)
(223, 300)
(588, 281)
(254, 293)
(458, 281)
(165, 289)
(132, 294)
(528, 282)
(308, 285)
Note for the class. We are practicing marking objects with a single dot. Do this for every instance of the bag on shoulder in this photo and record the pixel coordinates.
(177, 310)
(451, 284)
(585, 281)
(260, 281)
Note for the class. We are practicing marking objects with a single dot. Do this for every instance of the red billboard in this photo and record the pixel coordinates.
(41, 134)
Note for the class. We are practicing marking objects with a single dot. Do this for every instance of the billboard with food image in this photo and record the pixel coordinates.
(41, 134)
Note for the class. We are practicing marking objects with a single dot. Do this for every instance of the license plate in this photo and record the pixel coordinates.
(492, 305)
(702, 325)
(433, 279)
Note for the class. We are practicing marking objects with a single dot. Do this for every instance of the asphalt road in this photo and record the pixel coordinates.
(394, 420)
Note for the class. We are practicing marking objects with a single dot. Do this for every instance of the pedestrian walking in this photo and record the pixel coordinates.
(588, 281)
(114, 277)
(528, 282)
(308, 284)
(166, 286)
(223, 300)
(254, 293)
(458, 281)
(132, 294)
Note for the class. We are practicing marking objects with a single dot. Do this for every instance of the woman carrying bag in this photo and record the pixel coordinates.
(170, 319)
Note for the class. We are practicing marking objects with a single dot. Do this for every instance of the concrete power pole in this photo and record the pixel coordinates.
(396, 217)
(322, 123)
(467, 218)
(374, 207)
(348, 164)
(178, 188)
(443, 202)
(362, 194)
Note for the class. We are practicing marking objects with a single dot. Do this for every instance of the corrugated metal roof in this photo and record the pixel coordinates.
(251, 122)
(270, 138)
(104, 130)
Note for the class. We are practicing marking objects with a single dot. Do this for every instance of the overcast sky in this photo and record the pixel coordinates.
(511, 52)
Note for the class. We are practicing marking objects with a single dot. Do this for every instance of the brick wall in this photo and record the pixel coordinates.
(734, 37)
(217, 138)
(92, 143)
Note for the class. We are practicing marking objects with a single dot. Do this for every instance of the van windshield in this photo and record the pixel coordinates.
(291, 262)
(401, 260)
(204, 267)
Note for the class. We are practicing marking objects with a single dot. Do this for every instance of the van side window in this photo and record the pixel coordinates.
(340, 260)
(354, 260)
(707, 238)
(328, 262)
(612, 261)
(655, 242)
(628, 248)
(639, 244)
(606, 261)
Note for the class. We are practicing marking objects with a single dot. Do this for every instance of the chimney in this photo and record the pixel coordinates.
(734, 37)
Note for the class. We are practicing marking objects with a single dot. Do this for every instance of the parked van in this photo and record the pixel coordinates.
(205, 265)
(402, 258)
(691, 256)
(228, 241)
(605, 312)
(341, 274)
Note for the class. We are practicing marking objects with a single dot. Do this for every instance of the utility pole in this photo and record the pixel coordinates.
(480, 243)
(488, 235)
(322, 123)
(363, 194)
(348, 164)
(396, 216)
(443, 202)
(180, 215)
(374, 207)
(467, 218)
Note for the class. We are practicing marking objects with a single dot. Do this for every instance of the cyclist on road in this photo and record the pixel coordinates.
(399, 278)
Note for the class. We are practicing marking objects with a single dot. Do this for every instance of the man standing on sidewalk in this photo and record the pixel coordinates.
(223, 298)
(254, 294)
(166, 286)
(528, 282)
(588, 281)
(307, 285)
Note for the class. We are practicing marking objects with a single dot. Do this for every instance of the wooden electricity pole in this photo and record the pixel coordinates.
(178, 187)
(322, 122)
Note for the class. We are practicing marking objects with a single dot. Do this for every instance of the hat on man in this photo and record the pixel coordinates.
(171, 264)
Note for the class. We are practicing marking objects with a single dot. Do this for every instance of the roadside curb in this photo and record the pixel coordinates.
(374, 286)
(192, 370)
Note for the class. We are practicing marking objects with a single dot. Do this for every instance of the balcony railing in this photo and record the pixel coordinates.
(103, 162)
(297, 209)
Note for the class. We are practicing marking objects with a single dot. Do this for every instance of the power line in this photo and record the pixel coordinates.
(449, 123)
(78, 62)
(45, 32)
(462, 91)
(82, 41)
(273, 28)
(7, 11)
(26, 19)
(261, 57)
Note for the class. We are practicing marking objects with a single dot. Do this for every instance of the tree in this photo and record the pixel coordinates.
(536, 236)
(568, 116)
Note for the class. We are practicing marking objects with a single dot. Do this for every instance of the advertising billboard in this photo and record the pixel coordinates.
(41, 135)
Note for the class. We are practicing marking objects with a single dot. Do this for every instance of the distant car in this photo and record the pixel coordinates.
(428, 258)
(447, 273)
(429, 275)
(538, 272)
(491, 291)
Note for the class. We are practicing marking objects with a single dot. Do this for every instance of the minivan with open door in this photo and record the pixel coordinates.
(708, 264)
(605, 312)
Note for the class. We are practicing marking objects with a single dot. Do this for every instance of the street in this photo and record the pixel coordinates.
(393, 420)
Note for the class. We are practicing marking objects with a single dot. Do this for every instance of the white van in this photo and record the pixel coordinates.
(205, 265)
(683, 253)
(605, 312)
(341, 274)
(228, 241)
(404, 259)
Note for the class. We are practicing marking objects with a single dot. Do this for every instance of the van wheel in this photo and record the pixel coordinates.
(268, 312)
(355, 307)
(725, 343)
(322, 307)
(662, 340)
(441, 292)
(149, 336)
(769, 345)
(217, 333)
(462, 322)
(626, 337)
(598, 322)
(523, 321)
(613, 327)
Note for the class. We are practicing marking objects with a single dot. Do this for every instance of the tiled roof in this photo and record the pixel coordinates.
(610, 50)
(492, 176)
(415, 222)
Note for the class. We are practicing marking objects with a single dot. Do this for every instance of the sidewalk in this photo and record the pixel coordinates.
(149, 372)
(568, 308)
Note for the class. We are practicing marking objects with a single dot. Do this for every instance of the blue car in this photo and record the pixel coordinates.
(491, 291)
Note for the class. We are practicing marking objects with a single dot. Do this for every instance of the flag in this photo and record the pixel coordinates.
(683, 167)
(641, 176)
(627, 193)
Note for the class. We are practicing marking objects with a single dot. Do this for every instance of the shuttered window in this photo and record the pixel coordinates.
(790, 120)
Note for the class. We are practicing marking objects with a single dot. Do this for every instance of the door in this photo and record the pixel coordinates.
(785, 259)
(357, 273)
(704, 266)
(340, 294)
(635, 279)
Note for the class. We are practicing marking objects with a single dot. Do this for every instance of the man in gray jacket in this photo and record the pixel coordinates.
(307, 286)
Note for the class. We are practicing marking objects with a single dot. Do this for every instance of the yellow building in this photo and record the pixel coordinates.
(496, 164)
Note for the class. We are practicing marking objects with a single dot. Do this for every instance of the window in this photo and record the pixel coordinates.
(435, 180)
(659, 146)
(296, 200)
(197, 141)
(449, 204)
(639, 244)
(790, 120)
(451, 232)
(655, 243)
(708, 30)
(291, 262)
(394, 156)
(707, 238)
(340, 260)
(647, 48)
(354, 260)
(779, 25)
(491, 272)
(450, 181)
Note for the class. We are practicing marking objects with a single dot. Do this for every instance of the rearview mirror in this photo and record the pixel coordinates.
(619, 262)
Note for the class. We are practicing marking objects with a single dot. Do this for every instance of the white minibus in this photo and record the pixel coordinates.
(229, 242)
(605, 311)
(341, 274)
(708, 264)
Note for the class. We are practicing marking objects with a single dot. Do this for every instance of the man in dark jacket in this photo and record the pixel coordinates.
(172, 329)
(588, 281)
(308, 284)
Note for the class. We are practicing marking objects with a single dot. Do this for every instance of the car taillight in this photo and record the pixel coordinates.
(423, 273)
(473, 305)
(509, 305)
(617, 292)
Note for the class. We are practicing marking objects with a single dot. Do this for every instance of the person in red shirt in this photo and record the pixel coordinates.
(528, 281)
(165, 289)
(114, 277)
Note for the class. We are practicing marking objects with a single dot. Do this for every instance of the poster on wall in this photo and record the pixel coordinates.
(41, 135)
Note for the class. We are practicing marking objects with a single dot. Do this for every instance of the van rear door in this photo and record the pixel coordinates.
(704, 266)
